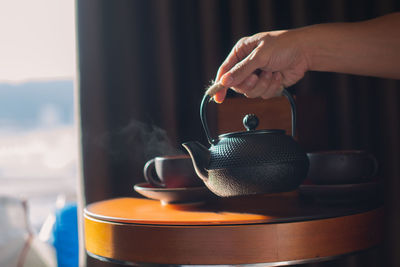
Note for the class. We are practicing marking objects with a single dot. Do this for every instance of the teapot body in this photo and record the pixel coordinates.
(250, 162)
(255, 164)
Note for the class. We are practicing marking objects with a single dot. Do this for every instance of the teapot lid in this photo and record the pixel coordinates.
(255, 132)
(250, 122)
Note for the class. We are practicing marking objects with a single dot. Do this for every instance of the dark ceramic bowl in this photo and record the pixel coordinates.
(343, 193)
(341, 167)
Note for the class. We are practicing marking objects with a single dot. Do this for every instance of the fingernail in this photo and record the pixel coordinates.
(227, 80)
(219, 98)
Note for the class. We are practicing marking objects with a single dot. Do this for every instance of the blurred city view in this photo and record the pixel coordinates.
(38, 136)
(38, 144)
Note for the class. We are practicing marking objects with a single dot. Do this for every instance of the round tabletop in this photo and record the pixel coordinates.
(277, 229)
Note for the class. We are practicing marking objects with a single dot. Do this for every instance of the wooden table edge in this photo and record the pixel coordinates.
(233, 244)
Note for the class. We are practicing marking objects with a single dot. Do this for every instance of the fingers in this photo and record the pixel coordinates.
(241, 57)
(228, 63)
(264, 80)
(275, 87)
(247, 85)
(243, 69)
(266, 85)
(241, 49)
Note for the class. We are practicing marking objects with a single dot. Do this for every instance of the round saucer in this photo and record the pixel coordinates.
(174, 195)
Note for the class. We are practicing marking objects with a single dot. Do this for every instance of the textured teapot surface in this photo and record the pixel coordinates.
(251, 162)
(256, 164)
(249, 151)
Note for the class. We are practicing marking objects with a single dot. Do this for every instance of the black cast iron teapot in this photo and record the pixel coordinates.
(249, 162)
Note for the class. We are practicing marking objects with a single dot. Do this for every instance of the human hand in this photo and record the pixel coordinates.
(263, 64)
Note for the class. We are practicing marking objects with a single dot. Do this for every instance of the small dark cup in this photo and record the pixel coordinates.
(171, 172)
(341, 167)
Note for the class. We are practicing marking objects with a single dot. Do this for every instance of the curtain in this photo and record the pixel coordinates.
(143, 67)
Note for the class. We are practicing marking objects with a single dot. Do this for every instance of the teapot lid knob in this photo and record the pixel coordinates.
(250, 122)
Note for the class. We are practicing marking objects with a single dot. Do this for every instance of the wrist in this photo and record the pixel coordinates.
(310, 46)
(325, 45)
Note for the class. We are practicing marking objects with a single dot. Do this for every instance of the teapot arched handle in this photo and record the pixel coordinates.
(207, 99)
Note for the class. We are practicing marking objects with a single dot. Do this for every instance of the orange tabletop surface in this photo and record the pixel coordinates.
(245, 210)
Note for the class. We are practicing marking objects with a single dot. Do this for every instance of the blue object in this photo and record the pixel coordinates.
(65, 236)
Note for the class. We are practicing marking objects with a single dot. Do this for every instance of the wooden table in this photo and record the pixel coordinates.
(277, 229)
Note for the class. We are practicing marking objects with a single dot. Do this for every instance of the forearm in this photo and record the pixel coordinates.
(369, 48)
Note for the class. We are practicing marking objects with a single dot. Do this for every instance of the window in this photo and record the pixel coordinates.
(38, 142)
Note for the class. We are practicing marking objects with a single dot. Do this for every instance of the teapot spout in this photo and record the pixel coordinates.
(200, 157)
